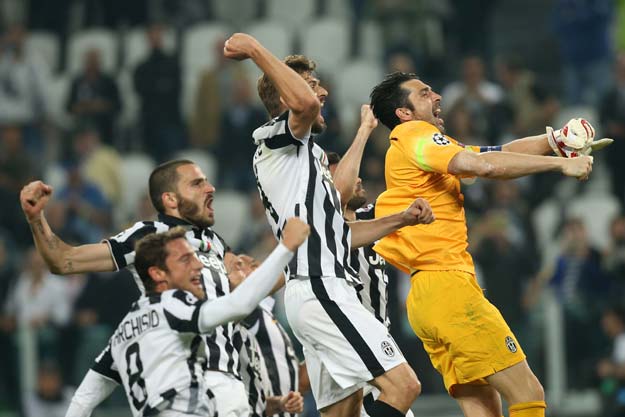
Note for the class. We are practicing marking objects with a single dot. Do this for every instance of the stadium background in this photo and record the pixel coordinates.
(81, 108)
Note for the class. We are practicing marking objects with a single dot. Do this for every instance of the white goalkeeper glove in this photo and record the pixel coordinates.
(574, 139)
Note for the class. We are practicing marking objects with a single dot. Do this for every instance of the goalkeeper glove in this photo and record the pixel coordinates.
(568, 144)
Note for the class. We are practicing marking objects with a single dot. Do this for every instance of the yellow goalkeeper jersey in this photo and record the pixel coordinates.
(416, 166)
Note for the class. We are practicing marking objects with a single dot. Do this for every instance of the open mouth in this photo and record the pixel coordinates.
(209, 204)
(436, 113)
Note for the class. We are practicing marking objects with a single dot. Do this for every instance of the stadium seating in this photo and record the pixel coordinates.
(294, 13)
(231, 213)
(353, 85)
(57, 93)
(316, 37)
(136, 169)
(103, 40)
(199, 46)
(371, 41)
(206, 161)
(45, 45)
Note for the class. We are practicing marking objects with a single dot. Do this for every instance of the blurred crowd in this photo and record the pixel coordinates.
(543, 239)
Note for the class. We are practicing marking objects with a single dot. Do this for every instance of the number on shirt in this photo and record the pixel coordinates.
(136, 383)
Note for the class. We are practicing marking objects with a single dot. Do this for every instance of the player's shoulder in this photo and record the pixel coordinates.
(274, 127)
(414, 129)
(366, 213)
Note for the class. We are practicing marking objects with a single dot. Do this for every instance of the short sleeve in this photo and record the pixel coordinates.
(182, 311)
(432, 152)
(122, 245)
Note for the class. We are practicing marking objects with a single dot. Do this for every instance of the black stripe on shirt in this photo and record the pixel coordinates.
(347, 328)
(104, 366)
(314, 240)
(122, 248)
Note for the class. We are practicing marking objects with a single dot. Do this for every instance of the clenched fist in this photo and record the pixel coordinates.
(419, 212)
(240, 46)
(33, 198)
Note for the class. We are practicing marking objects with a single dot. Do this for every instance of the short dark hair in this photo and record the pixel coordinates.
(163, 180)
(333, 158)
(151, 251)
(268, 92)
(389, 95)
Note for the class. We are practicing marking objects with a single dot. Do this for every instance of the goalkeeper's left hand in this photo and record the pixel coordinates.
(567, 148)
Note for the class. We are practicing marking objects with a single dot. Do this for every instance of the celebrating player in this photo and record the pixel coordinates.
(155, 351)
(344, 345)
(467, 339)
(182, 196)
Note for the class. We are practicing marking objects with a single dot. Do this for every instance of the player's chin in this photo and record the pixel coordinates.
(319, 126)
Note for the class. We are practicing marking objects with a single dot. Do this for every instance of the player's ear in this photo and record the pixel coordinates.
(403, 113)
(169, 200)
(157, 274)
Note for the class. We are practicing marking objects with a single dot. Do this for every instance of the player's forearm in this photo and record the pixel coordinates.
(247, 295)
(273, 405)
(509, 165)
(346, 172)
(365, 232)
(531, 145)
(50, 246)
(293, 89)
(93, 389)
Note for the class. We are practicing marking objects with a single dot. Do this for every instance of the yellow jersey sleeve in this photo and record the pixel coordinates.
(426, 146)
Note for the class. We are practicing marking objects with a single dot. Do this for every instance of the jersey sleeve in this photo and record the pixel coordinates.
(122, 245)
(105, 365)
(429, 149)
(366, 213)
(277, 134)
(182, 311)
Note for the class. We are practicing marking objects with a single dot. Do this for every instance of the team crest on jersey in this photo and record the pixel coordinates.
(510, 344)
(388, 348)
(440, 139)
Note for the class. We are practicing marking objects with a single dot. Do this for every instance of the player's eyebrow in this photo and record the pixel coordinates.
(424, 89)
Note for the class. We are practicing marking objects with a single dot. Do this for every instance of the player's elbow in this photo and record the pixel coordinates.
(306, 106)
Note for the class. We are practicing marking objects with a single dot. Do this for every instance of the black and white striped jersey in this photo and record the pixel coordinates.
(157, 354)
(222, 356)
(253, 372)
(293, 180)
(276, 348)
(371, 269)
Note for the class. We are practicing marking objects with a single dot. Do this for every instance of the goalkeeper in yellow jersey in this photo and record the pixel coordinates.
(466, 337)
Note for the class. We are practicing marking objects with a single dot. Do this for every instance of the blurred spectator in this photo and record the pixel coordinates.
(474, 91)
(583, 289)
(88, 212)
(9, 378)
(94, 97)
(400, 60)
(504, 251)
(252, 239)
(611, 369)
(612, 114)
(212, 97)
(157, 81)
(235, 147)
(17, 168)
(51, 398)
(23, 80)
(100, 164)
(614, 258)
(39, 302)
(584, 31)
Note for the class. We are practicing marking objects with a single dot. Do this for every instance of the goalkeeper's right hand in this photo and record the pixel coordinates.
(569, 147)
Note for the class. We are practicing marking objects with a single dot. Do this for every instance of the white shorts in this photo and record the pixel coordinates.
(344, 345)
(230, 395)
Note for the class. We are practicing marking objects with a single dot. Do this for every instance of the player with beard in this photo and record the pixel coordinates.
(466, 337)
(344, 345)
(182, 196)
